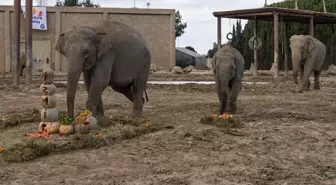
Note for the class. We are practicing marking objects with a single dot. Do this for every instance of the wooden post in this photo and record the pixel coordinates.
(29, 43)
(255, 52)
(276, 45)
(285, 47)
(312, 27)
(219, 32)
(16, 45)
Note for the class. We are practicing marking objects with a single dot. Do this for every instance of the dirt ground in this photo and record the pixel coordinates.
(288, 138)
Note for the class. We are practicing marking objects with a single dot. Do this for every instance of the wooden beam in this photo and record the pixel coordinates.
(29, 43)
(276, 45)
(219, 32)
(312, 27)
(16, 44)
(285, 47)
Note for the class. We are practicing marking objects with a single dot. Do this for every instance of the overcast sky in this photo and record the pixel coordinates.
(202, 25)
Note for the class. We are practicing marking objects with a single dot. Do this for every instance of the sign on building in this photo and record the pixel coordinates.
(39, 17)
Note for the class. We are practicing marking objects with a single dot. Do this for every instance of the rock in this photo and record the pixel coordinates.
(160, 68)
(177, 70)
(155, 68)
(188, 69)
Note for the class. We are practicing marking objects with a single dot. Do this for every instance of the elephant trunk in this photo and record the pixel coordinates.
(74, 72)
(296, 59)
(224, 101)
(224, 87)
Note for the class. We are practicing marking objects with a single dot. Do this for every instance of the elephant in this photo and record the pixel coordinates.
(109, 54)
(308, 55)
(228, 68)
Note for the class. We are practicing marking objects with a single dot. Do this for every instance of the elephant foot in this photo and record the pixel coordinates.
(102, 120)
(317, 87)
(136, 114)
(303, 89)
(231, 109)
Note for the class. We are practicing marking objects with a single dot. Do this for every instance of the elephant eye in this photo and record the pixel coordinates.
(86, 51)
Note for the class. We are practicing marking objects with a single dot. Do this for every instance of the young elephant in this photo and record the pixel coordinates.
(228, 67)
(308, 55)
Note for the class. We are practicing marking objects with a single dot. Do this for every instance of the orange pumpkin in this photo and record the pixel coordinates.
(85, 122)
(47, 76)
(48, 89)
(48, 101)
(49, 127)
(66, 129)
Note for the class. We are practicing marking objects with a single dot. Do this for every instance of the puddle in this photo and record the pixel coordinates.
(178, 82)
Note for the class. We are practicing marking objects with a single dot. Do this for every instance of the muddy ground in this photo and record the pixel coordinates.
(287, 138)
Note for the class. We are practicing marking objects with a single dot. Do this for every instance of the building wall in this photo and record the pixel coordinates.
(156, 25)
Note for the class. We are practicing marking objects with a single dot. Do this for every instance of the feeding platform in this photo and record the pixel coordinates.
(275, 14)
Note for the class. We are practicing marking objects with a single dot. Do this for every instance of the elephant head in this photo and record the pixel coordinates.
(301, 47)
(224, 69)
(83, 47)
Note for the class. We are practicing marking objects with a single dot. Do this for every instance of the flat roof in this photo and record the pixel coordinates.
(285, 14)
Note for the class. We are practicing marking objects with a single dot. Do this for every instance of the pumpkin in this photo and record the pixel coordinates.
(48, 101)
(49, 115)
(66, 129)
(47, 76)
(84, 122)
(48, 89)
(49, 127)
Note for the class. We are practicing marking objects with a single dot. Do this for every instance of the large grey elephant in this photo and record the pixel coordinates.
(109, 54)
(308, 55)
(228, 67)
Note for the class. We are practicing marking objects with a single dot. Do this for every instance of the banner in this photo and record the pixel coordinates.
(39, 17)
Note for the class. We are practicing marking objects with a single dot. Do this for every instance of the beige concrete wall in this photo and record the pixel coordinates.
(156, 25)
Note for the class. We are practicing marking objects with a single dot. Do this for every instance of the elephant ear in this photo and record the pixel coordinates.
(61, 44)
(310, 45)
(104, 44)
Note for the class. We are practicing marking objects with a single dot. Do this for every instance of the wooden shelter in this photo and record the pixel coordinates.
(275, 14)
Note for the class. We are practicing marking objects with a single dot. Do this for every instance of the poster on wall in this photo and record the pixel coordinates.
(39, 17)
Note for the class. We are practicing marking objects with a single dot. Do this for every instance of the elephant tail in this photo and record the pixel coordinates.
(146, 96)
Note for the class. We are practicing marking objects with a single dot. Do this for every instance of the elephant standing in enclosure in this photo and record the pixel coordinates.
(228, 67)
(308, 55)
(109, 54)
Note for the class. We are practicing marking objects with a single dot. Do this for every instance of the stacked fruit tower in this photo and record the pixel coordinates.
(49, 114)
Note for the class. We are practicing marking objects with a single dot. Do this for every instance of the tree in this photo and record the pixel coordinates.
(85, 3)
(191, 49)
(179, 25)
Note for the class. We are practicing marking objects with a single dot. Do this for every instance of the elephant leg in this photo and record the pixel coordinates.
(306, 73)
(317, 80)
(232, 106)
(100, 78)
(87, 81)
(218, 89)
(301, 71)
(138, 100)
(21, 71)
